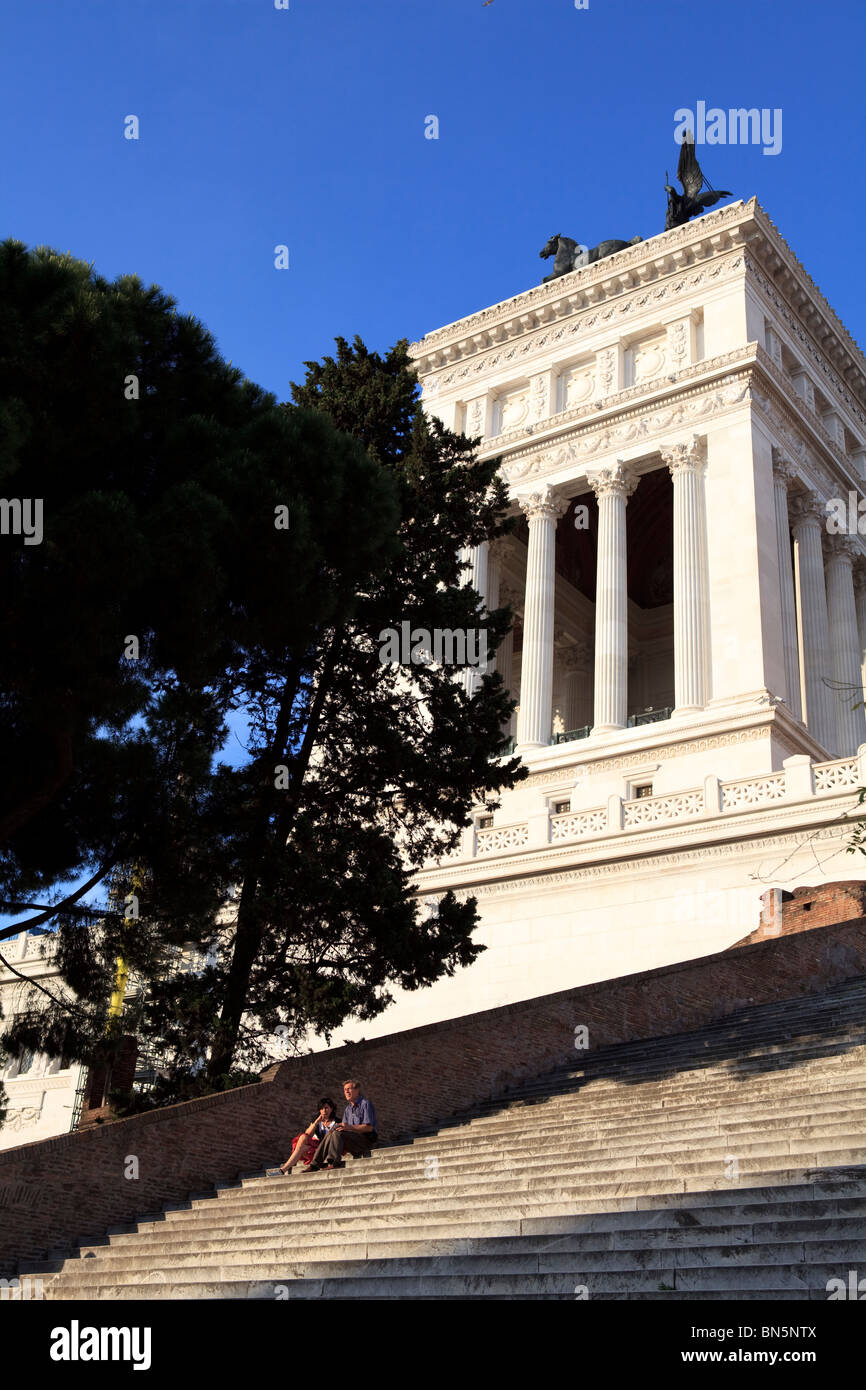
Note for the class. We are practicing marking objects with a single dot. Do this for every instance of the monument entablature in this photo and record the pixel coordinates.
(476, 342)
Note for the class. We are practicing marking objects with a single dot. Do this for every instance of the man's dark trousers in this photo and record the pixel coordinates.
(334, 1143)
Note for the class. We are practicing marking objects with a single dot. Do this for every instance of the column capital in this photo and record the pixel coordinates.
(679, 458)
(511, 596)
(840, 547)
(573, 655)
(544, 503)
(784, 468)
(618, 481)
(807, 509)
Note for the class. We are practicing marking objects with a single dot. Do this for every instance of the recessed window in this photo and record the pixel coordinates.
(641, 789)
(27, 1059)
(484, 822)
(560, 807)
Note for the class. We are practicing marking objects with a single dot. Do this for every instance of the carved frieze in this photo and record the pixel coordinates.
(666, 862)
(582, 446)
(580, 323)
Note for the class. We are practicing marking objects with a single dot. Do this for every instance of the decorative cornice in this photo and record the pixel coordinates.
(629, 865)
(685, 402)
(681, 408)
(580, 322)
(664, 254)
(614, 402)
(795, 403)
(808, 303)
(776, 271)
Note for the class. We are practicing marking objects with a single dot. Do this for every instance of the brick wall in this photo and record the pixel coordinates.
(785, 914)
(77, 1185)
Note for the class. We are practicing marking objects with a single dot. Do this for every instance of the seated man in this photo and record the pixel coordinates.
(357, 1133)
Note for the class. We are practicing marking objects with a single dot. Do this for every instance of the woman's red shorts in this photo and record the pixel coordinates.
(313, 1142)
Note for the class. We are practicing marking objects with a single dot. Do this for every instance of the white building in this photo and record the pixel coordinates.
(41, 1093)
(688, 650)
(44, 1096)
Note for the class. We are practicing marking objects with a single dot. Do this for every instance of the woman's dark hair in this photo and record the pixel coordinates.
(326, 1101)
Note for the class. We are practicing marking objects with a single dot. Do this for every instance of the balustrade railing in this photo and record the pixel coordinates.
(640, 813)
(573, 734)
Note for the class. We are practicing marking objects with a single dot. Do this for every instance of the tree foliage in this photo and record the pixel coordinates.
(295, 868)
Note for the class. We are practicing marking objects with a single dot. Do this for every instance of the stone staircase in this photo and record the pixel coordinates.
(725, 1163)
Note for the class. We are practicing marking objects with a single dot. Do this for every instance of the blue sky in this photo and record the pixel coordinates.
(306, 127)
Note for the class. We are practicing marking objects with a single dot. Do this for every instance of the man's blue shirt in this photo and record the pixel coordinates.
(363, 1112)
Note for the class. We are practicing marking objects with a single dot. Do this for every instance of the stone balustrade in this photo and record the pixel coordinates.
(26, 946)
(799, 781)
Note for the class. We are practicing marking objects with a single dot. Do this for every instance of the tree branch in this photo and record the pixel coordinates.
(63, 906)
(28, 979)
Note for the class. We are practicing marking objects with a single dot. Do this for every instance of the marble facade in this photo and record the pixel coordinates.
(688, 646)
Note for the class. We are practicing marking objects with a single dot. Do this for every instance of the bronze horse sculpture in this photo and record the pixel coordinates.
(571, 255)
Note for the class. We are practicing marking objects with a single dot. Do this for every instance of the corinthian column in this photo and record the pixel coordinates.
(505, 654)
(542, 510)
(576, 661)
(808, 525)
(612, 487)
(860, 602)
(783, 473)
(476, 557)
(687, 465)
(492, 600)
(844, 644)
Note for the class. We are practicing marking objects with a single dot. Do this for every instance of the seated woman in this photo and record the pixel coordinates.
(304, 1145)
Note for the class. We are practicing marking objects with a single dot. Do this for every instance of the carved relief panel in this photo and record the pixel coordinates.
(646, 358)
(512, 409)
(577, 384)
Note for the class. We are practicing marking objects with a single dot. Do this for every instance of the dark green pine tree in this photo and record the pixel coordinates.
(161, 473)
(125, 633)
(382, 764)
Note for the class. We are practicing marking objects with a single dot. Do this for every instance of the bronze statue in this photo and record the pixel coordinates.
(571, 255)
(691, 202)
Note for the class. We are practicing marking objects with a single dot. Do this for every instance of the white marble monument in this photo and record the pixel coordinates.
(689, 641)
